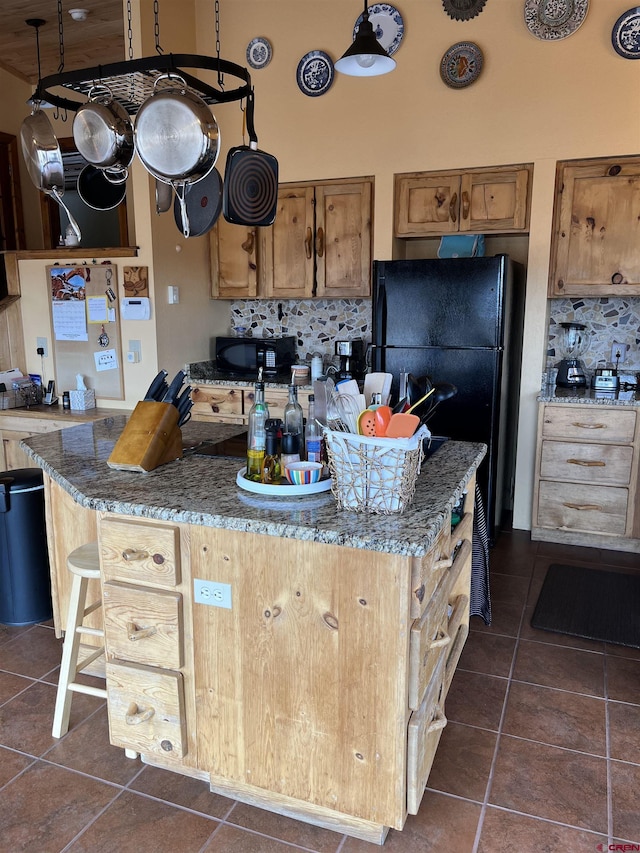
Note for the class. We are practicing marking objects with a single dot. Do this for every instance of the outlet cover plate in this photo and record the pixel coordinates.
(618, 348)
(212, 593)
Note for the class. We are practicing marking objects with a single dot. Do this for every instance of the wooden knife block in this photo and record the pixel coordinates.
(150, 438)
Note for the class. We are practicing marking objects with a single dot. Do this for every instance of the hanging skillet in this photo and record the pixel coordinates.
(97, 191)
(250, 195)
(102, 131)
(43, 159)
(203, 201)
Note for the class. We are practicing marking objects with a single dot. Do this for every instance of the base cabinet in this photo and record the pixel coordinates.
(231, 404)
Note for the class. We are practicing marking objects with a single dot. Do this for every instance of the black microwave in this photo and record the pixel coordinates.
(246, 355)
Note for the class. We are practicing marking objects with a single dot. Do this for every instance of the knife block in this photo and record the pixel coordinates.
(151, 437)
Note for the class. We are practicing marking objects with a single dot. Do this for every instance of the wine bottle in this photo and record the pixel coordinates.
(257, 437)
(293, 419)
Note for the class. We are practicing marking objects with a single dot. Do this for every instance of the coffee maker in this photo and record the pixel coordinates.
(352, 359)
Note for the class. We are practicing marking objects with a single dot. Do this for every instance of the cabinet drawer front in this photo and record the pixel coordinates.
(594, 509)
(209, 400)
(276, 399)
(589, 463)
(139, 552)
(427, 572)
(427, 641)
(142, 625)
(591, 423)
(146, 710)
(424, 731)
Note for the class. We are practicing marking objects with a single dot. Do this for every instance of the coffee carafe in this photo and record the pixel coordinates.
(574, 344)
(351, 359)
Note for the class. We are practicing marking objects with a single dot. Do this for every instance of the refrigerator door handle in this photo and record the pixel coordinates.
(380, 314)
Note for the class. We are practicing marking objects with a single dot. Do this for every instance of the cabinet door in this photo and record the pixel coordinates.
(234, 264)
(494, 201)
(287, 247)
(596, 229)
(427, 204)
(217, 403)
(343, 239)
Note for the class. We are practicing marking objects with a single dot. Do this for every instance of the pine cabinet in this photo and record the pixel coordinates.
(318, 247)
(477, 201)
(222, 403)
(596, 228)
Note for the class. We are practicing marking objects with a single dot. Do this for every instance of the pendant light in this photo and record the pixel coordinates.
(365, 57)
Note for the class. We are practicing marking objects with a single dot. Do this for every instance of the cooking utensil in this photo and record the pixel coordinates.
(203, 204)
(158, 387)
(404, 424)
(442, 391)
(173, 391)
(97, 192)
(103, 132)
(43, 159)
(250, 195)
(164, 196)
(377, 383)
(382, 416)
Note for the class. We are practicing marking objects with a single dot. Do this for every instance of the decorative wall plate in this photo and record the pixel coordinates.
(315, 73)
(625, 35)
(552, 20)
(461, 65)
(387, 24)
(259, 52)
(463, 10)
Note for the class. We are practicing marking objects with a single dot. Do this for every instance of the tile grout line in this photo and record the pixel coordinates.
(608, 751)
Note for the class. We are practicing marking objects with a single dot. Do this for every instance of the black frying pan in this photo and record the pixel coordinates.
(97, 192)
(250, 195)
(203, 203)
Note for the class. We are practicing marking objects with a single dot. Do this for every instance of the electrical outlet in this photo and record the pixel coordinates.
(212, 593)
(173, 293)
(618, 353)
(41, 344)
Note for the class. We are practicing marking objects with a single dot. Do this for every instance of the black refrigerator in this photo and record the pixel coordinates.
(459, 320)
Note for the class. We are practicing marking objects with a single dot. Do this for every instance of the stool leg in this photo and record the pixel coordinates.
(70, 649)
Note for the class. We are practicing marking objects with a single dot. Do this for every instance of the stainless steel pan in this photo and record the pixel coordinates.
(43, 158)
(102, 131)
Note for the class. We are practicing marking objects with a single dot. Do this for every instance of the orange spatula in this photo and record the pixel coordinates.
(404, 424)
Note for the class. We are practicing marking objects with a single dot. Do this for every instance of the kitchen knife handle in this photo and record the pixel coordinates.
(320, 242)
(588, 463)
(307, 243)
(465, 205)
(453, 207)
(581, 506)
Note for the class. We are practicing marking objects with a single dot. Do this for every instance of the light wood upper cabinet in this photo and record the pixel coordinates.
(288, 246)
(480, 201)
(596, 229)
(234, 261)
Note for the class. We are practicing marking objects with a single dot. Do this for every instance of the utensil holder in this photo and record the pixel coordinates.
(151, 437)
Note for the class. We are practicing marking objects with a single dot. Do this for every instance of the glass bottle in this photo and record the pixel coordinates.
(290, 452)
(293, 419)
(313, 434)
(271, 470)
(257, 437)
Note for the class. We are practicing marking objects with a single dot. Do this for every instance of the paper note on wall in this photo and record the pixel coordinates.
(97, 311)
(69, 320)
(106, 359)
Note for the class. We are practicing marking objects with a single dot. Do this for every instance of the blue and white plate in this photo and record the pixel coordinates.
(625, 36)
(387, 24)
(259, 53)
(315, 73)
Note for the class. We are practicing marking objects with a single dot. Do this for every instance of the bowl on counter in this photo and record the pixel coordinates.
(303, 473)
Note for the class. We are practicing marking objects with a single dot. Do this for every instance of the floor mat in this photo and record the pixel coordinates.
(589, 603)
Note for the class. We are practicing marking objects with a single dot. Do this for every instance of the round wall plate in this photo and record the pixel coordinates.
(463, 10)
(552, 20)
(315, 73)
(259, 53)
(461, 65)
(625, 35)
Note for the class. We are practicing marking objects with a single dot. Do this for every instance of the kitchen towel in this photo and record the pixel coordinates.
(480, 601)
(590, 603)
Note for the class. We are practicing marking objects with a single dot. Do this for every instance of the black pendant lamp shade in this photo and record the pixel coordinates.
(365, 57)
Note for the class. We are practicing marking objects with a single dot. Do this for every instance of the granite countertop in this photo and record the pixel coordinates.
(202, 490)
(205, 373)
(589, 397)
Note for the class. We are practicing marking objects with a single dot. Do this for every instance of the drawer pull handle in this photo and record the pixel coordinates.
(438, 722)
(131, 555)
(135, 716)
(442, 564)
(582, 506)
(589, 426)
(443, 640)
(465, 205)
(308, 243)
(453, 207)
(588, 463)
(136, 633)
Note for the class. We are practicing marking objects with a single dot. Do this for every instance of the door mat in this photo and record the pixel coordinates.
(590, 603)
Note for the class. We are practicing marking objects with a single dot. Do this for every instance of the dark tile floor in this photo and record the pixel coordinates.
(541, 753)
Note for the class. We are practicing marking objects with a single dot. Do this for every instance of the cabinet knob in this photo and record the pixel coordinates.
(135, 715)
(617, 278)
(132, 554)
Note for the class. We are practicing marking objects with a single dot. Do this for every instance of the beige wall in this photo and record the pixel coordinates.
(534, 102)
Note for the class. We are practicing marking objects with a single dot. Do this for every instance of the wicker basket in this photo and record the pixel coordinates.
(375, 475)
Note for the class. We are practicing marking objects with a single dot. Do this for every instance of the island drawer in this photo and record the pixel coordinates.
(143, 625)
(573, 506)
(592, 463)
(212, 400)
(427, 643)
(426, 573)
(424, 731)
(146, 710)
(589, 423)
(140, 552)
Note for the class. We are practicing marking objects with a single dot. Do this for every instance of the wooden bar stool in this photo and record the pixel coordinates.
(84, 565)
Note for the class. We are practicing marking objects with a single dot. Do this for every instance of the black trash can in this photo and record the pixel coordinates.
(25, 583)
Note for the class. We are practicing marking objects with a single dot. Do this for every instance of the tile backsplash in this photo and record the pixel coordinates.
(607, 319)
(317, 323)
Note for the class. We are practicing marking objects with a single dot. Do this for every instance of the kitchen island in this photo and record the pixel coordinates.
(294, 656)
